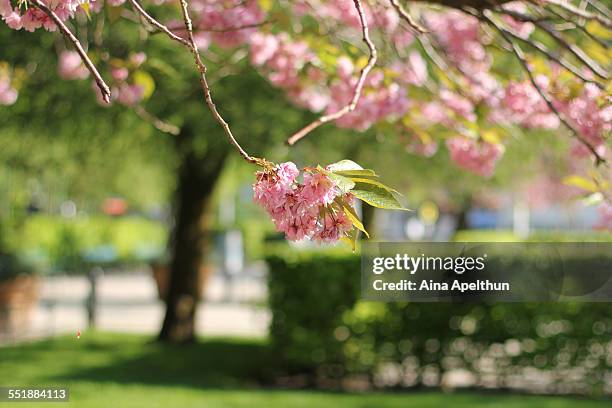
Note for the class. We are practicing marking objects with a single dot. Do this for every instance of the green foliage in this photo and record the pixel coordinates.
(65, 244)
(320, 327)
(308, 294)
(131, 371)
(12, 265)
(536, 236)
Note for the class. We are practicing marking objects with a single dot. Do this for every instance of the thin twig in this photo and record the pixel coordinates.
(228, 29)
(104, 89)
(358, 88)
(543, 49)
(191, 45)
(158, 25)
(518, 52)
(204, 84)
(603, 20)
(581, 27)
(404, 15)
(575, 50)
(156, 122)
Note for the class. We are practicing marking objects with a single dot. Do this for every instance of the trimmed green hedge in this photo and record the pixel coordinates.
(320, 327)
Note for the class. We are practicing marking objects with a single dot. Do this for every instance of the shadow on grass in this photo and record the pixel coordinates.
(217, 363)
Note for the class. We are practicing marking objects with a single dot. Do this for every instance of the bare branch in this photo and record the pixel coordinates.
(191, 45)
(104, 89)
(358, 88)
(575, 50)
(161, 27)
(582, 28)
(605, 21)
(156, 122)
(404, 15)
(542, 48)
(518, 52)
(204, 84)
(228, 29)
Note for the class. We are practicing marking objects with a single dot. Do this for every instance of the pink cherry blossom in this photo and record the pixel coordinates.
(120, 74)
(523, 29)
(129, 95)
(592, 122)
(70, 66)
(8, 94)
(226, 23)
(479, 157)
(334, 227)
(32, 18)
(319, 189)
(302, 210)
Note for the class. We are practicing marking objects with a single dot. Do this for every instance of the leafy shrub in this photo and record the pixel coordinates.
(67, 244)
(320, 327)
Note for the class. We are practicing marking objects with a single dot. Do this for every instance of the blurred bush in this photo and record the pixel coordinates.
(12, 265)
(320, 327)
(481, 235)
(69, 244)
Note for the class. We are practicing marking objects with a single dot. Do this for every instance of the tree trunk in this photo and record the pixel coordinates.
(190, 240)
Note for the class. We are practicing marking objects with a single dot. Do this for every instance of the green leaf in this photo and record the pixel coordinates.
(376, 196)
(357, 173)
(375, 183)
(343, 165)
(146, 81)
(345, 184)
(351, 214)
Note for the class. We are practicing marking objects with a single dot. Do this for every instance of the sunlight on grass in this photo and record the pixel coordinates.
(106, 370)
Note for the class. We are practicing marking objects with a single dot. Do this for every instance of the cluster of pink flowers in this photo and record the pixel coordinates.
(594, 123)
(525, 106)
(379, 100)
(477, 156)
(124, 90)
(343, 12)
(459, 34)
(71, 67)
(8, 94)
(282, 60)
(523, 29)
(301, 210)
(33, 18)
(226, 23)
(282, 57)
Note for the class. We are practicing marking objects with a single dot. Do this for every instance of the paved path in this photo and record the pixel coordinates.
(128, 302)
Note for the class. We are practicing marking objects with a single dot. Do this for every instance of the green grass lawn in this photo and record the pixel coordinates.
(117, 371)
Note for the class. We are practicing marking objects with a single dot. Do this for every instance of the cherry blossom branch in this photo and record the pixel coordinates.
(404, 15)
(191, 45)
(229, 29)
(567, 6)
(581, 27)
(358, 88)
(104, 89)
(542, 48)
(575, 50)
(149, 19)
(518, 52)
(204, 84)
